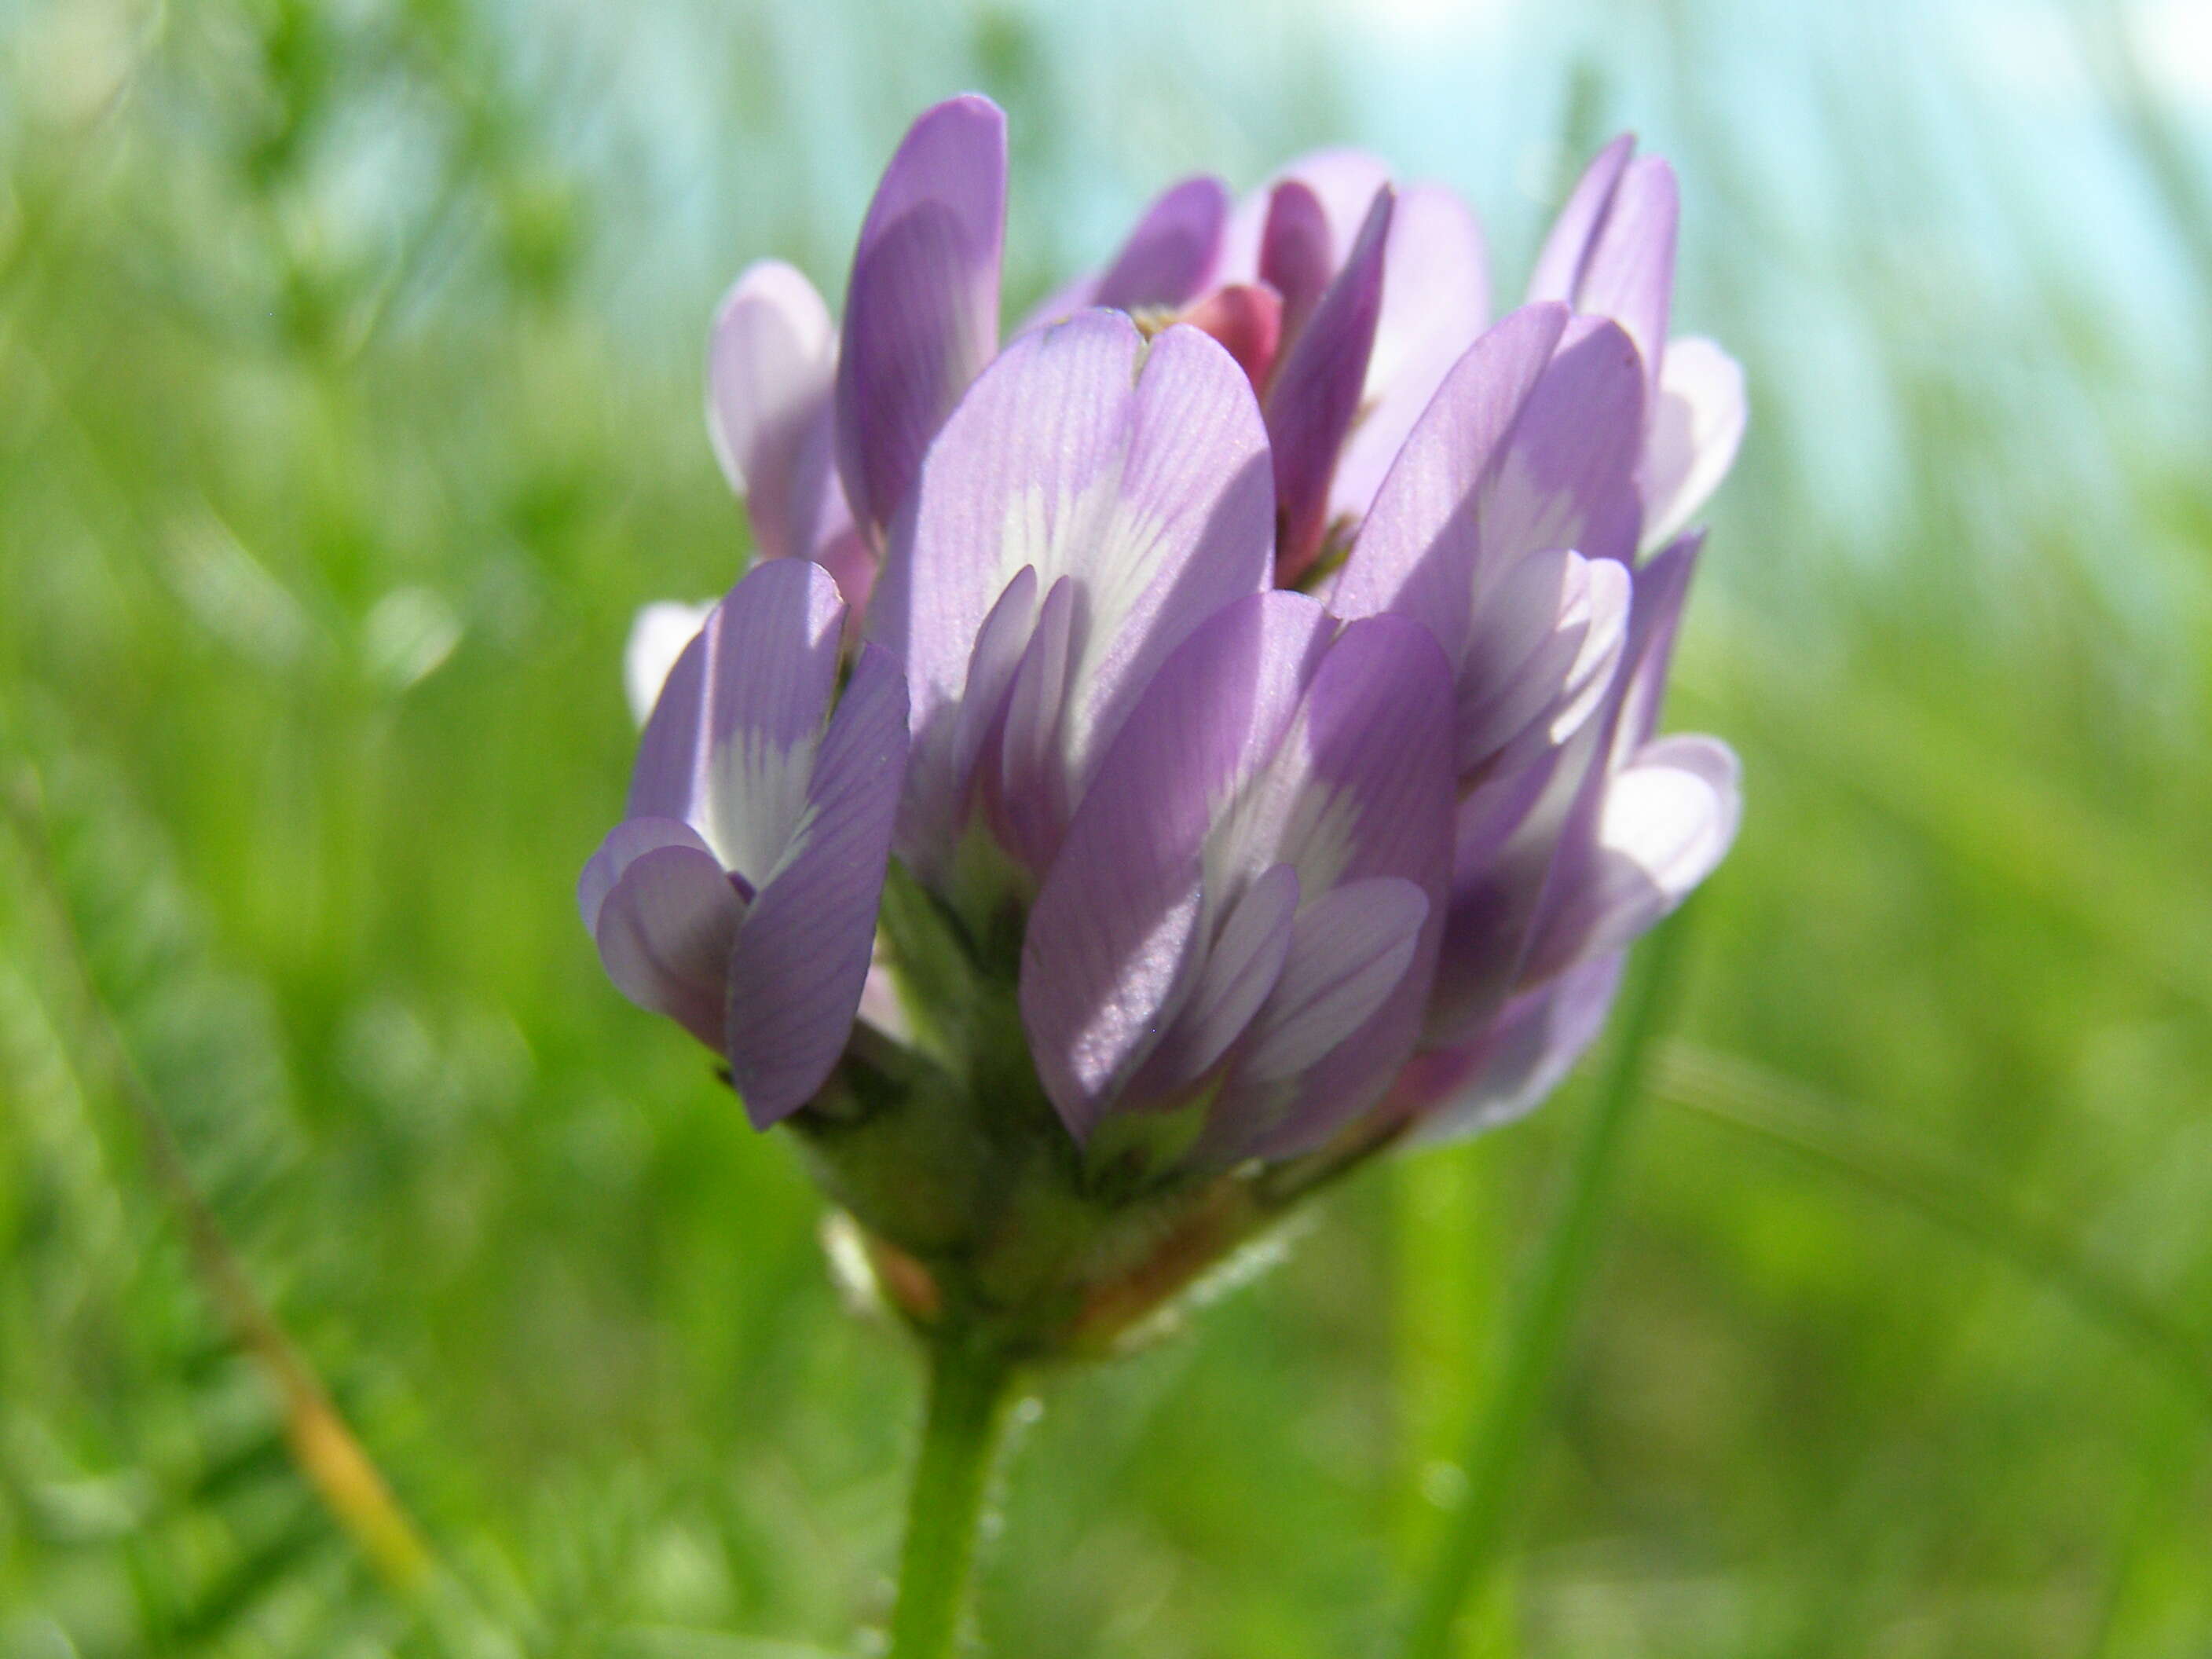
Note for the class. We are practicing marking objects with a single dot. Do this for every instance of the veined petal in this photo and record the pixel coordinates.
(1112, 953)
(665, 916)
(1349, 951)
(1029, 792)
(1298, 256)
(1314, 397)
(1508, 1071)
(1419, 554)
(921, 312)
(1543, 654)
(1612, 252)
(1435, 298)
(800, 961)
(1696, 427)
(1273, 762)
(771, 361)
(657, 637)
(1141, 474)
(1565, 253)
(1663, 585)
(1363, 781)
(1170, 256)
(1234, 976)
(1529, 447)
(1342, 182)
(731, 743)
(1665, 821)
(1508, 835)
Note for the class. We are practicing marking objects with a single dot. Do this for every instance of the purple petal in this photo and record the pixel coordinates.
(921, 312)
(1030, 791)
(1343, 182)
(1111, 953)
(1529, 447)
(1544, 651)
(1420, 553)
(1510, 832)
(1612, 252)
(771, 361)
(731, 743)
(1297, 257)
(1696, 427)
(1147, 486)
(800, 963)
(1236, 973)
(1365, 790)
(1313, 399)
(1436, 297)
(665, 918)
(1665, 821)
(1565, 253)
(1662, 586)
(1193, 919)
(1509, 1070)
(1351, 950)
(1169, 259)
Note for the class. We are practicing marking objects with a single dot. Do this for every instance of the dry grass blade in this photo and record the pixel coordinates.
(323, 1446)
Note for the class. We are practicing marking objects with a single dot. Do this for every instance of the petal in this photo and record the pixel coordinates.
(1565, 253)
(922, 311)
(626, 843)
(1343, 182)
(1110, 956)
(1610, 253)
(1366, 780)
(1147, 486)
(801, 959)
(1662, 586)
(1351, 950)
(657, 638)
(1297, 258)
(771, 361)
(1436, 297)
(937, 795)
(665, 918)
(1509, 834)
(1529, 446)
(1312, 399)
(1545, 650)
(1170, 256)
(1239, 971)
(1419, 553)
(1510, 1070)
(1247, 317)
(731, 743)
(1696, 427)
(1666, 820)
(1029, 792)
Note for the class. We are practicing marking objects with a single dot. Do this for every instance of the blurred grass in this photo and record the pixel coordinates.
(350, 407)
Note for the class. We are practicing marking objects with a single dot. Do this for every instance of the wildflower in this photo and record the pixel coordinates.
(1245, 756)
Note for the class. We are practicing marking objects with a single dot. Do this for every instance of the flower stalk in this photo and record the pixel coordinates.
(973, 1381)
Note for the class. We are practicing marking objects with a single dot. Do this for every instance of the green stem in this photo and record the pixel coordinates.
(971, 1385)
(1541, 1318)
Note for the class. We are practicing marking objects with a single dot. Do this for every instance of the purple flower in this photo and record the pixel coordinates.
(738, 894)
(1250, 697)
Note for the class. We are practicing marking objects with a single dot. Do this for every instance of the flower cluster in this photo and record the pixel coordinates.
(1179, 750)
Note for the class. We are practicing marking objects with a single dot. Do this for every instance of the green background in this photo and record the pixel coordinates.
(350, 398)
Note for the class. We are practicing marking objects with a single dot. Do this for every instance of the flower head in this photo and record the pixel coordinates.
(1239, 752)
